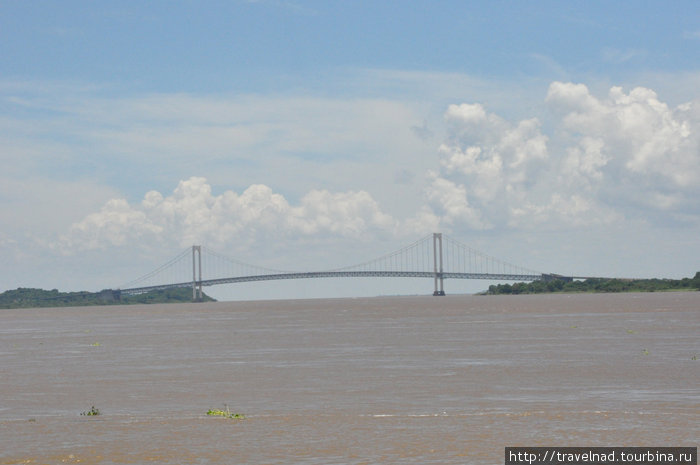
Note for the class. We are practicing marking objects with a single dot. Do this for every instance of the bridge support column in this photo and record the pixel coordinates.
(195, 282)
(437, 255)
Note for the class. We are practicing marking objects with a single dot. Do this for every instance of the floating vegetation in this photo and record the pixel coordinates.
(92, 412)
(96, 344)
(226, 414)
(631, 331)
(645, 352)
(694, 357)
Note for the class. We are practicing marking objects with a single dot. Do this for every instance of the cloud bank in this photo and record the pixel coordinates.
(193, 215)
(591, 161)
(628, 155)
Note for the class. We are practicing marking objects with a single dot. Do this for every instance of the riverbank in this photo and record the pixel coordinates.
(33, 298)
(597, 285)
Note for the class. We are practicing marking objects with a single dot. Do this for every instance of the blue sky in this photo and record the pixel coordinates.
(277, 45)
(563, 136)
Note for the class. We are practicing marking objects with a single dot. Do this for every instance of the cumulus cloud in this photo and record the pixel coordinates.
(450, 200)
(192, 214)
(116, 223)
(487, 163)
(343, 213)
(634, 141)
(605, 156)
(595, 160)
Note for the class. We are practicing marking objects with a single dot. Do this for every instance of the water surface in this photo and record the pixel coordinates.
(349, 381)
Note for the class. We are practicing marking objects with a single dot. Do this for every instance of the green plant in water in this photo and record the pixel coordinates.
(226, 414)
(92, 412)
(694, 357)
(645, 352)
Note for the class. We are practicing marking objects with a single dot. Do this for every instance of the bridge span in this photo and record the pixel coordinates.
(430, 257)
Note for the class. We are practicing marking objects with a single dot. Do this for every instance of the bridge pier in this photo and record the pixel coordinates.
(437, 250)
(198, 249)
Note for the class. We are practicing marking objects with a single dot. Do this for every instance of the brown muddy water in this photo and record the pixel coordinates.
(391, 380)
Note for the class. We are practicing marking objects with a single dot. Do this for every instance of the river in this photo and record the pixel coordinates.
(386, 380)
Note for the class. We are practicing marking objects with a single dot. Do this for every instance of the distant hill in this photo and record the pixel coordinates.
(598, 285)
(29, 298)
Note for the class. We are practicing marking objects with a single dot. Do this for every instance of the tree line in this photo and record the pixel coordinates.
(31, 297)
(597, 285)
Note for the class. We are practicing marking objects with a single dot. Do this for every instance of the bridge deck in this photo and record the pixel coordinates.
(342, 274)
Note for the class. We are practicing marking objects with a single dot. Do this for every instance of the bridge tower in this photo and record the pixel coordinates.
(195, 282)
(437, 258)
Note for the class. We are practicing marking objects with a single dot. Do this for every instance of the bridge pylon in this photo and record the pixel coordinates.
(437, 258)
(196, 283)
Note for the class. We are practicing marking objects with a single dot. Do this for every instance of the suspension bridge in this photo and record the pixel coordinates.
(435, 256)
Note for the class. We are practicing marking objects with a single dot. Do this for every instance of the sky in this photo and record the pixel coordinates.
(307, 135)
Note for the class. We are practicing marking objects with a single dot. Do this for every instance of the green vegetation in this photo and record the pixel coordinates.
(30, 298)
(598, 285)
(164, 296)
(92, 412)
(226, 414)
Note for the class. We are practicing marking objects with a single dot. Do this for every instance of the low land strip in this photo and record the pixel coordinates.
(31, 298)
(599, 285)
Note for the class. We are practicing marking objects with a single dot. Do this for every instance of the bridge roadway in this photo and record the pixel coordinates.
(345, 274)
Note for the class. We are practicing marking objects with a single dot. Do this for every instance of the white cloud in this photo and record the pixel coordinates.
(343, 213)
(467, 113)
(582, 167)
(192, 214)
(487, 164)
(641, 144)
(573, 210)
(645, 132)
(629, 150)
(115, 224)
(450, 201)
(600, 154)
